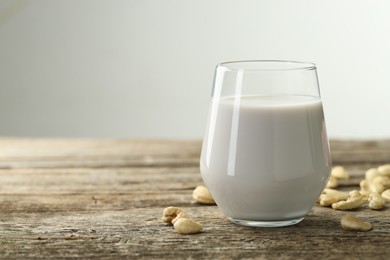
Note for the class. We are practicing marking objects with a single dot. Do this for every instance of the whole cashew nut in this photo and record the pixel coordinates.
(202, 195)
(187, 226)
(355, 200)
(331, 196)
(171, 214)
(339, 172)
(384, 170)
(350, 222)
(376, 201)
(386, 195)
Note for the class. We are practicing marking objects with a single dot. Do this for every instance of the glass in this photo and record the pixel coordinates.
(265, 154)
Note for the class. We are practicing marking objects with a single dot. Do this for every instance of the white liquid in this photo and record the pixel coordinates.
(265, 158)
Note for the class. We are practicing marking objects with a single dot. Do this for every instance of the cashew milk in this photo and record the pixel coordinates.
(265, 158)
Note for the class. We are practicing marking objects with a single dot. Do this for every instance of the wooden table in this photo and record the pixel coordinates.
(104, 199)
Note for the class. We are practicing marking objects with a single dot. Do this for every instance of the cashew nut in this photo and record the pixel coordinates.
(355, 200)
(332, 182)
(331, 196)
(202, 195)
(376, 201)
(384, 180)
(371, 174)
(386, 195)
(371, 186)
(320, 197)
(350, 222)
(376, 187)
(339, 172)
(364, 185)
(187, 226)
(180, 215)
(365, 194)
(354, 194)
(180, 221)
(384, 170)
(172, 214)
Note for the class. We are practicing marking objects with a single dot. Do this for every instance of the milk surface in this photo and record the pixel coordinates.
(265, 158)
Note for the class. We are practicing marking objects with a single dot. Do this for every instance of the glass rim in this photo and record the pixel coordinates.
(261, 65)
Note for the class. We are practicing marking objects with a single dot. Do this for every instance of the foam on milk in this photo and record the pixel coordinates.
(265, 158)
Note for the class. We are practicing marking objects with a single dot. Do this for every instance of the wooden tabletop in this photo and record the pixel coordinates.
(103, 199)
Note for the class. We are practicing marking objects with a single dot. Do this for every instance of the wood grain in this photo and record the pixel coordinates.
(103, 199)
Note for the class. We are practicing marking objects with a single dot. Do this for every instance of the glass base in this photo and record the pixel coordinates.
(254, 223)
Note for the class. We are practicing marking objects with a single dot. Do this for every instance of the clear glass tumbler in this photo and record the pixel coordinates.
(265, 154)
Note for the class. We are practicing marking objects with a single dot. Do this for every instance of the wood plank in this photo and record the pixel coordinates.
(116, 212)
(140, 233)
(74, 153)
(92, 199)
(360, 152)
(90, 181)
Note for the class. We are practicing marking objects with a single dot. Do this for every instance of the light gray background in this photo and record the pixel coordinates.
(144, 69)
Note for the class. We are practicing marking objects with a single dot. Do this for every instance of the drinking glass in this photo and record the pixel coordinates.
(265, 153)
